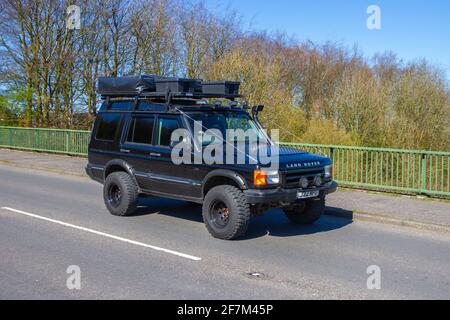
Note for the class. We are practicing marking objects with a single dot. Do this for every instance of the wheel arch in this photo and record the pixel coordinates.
(118, 165)
(222, 177)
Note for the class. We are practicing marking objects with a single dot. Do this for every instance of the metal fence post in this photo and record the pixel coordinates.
(423, 175)
(10, 137)
(67, 141)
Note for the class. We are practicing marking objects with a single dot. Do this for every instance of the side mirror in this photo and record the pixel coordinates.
(258, 108)
(255, 110)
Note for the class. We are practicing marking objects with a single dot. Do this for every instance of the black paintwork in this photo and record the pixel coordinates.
(155, 174)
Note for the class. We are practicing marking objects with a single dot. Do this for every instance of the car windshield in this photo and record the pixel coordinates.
(224, 122)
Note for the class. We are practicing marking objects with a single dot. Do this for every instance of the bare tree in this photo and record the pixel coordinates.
(316, 93)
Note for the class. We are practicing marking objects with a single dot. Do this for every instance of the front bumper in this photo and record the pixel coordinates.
(281, 195)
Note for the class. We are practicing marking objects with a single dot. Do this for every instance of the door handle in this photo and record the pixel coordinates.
(156, 155)
(125, 150)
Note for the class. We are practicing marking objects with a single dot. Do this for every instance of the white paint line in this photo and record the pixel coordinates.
(103, 234)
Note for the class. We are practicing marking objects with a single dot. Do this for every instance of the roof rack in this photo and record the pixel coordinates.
(151, 86)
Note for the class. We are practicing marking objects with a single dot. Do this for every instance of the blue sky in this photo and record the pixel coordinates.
(412, 29)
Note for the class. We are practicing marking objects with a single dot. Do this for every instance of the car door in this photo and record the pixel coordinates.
(136, 147)
(167, 177)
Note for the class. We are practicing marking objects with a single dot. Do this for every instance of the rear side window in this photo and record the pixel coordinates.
(107, 127)
(120, 105)
(141, 130)
(166, 126)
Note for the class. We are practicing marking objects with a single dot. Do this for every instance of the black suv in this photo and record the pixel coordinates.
(131, 148)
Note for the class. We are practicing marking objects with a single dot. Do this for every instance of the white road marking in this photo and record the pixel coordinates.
(103, 234)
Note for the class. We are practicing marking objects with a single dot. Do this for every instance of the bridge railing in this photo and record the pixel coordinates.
(71, 142)
(409, 171)
(406, 171)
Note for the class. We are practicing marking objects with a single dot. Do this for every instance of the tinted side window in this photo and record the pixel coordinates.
(120, 105)
(107, 127)
(141, 130)
(165, 129)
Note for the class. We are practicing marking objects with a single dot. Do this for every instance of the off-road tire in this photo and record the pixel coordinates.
(307, 214)
(129, 195)
(239, 212)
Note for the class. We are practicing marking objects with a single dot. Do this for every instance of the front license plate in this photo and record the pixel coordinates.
(307, 194)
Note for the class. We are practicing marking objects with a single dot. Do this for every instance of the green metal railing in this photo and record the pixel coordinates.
(409, 171)
(406, 171)
(70, 142)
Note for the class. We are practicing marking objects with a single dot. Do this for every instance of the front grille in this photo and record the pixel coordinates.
(291, 179)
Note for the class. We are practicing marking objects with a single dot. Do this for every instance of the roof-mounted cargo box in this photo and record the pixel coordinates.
(221, 87)
(128, 86)
(178, 85)
(163, 88)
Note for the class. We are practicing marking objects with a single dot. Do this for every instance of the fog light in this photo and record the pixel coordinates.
(304, 183)
(318, 180)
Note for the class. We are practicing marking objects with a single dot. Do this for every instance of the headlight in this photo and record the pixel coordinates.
(329, 171)
(263, 178)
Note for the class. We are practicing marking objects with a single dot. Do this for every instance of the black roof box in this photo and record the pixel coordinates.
(132, 86)
(160, 87)
(179, 85)
(126, 85)
(221, 87)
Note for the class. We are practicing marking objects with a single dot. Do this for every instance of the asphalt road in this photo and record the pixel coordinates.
(49, 222)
